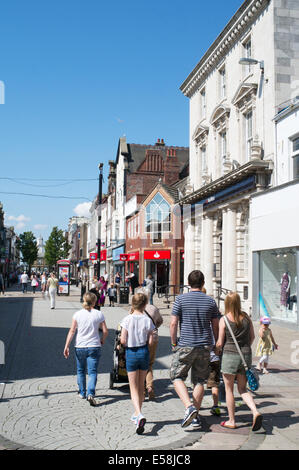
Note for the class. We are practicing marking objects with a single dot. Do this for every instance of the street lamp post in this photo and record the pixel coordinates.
(99, 218)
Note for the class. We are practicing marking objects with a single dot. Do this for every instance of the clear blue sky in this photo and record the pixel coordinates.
(78, 75)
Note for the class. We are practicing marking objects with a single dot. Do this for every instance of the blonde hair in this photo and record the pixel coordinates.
(232, 305)
(89, 300)
(139, 302)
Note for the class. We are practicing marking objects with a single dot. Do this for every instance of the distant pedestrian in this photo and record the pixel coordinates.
(266, 345)
(117, 282)
(134, 282)
(43, 282)
(149, 284)
(137, 336)
(24, 281)
(232, 367)
(52, 284)
(34, 283)
(112, 295)
(2, 287)
(198, 317)
(88, 347)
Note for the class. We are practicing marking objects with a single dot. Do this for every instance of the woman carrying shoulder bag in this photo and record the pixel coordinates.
(232, 366)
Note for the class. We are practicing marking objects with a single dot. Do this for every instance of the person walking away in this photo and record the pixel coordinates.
(88, 347)
(134, 283)
(149, 285)
(137, 336)
(112, 295)
(24, 281)
(52, 284)
(266, 345)
(34, 283)
(2, 287)
(157, 319)
(198, 317)
(117, 281)
(43, 282)
(213, 381)
(232, 367)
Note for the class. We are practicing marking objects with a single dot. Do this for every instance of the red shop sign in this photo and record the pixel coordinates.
(133, 256)
(157, 254)
(93, 256)
(103, 255)
(123, 257)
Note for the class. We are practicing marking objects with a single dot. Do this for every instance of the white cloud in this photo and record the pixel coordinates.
(82, 210)
(20, 225)
(20, 218)
(40, 226)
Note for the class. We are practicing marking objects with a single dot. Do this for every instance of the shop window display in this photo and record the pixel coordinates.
(278, 283)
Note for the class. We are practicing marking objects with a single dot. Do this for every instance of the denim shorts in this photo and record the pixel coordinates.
(137, 358)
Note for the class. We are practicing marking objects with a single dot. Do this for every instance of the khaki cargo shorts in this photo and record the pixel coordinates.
(194, 358)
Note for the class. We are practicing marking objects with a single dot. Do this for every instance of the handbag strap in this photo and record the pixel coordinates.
(236, 342)
(150, 318)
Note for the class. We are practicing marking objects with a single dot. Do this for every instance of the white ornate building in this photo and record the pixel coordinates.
(232, 137)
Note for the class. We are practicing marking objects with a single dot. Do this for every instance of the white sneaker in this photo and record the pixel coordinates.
(140, 422)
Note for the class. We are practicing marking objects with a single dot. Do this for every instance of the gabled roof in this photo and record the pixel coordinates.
(135, 153)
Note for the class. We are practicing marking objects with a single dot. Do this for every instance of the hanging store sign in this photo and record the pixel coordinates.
(93, 256)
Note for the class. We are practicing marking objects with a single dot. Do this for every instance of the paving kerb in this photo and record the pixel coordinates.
(191, 440)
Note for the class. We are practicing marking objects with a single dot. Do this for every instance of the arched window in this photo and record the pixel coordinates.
(158, 215)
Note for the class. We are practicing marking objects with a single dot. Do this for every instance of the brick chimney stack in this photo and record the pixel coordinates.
(160, 143)
(171, 167)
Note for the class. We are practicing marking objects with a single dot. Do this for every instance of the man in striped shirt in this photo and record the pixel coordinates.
(197, 315)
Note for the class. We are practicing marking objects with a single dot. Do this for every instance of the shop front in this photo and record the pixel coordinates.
(278, 286)
(118, 262)
(158, 264)
(275, 254)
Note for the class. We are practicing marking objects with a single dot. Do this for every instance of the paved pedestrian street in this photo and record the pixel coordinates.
(40, 408)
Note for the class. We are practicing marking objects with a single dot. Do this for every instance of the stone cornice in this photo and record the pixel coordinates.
(250, 168)
(236, 27)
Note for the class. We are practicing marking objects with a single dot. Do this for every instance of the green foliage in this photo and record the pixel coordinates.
(56, 247)
(27, 245)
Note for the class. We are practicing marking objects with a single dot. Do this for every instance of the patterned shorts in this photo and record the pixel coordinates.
(194, 358)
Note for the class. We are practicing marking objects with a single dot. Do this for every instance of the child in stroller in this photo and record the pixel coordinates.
(119, 372)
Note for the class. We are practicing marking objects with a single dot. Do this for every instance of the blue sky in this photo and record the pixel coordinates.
(78, 75)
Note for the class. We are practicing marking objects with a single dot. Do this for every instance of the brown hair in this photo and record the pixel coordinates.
(139, 302)
(232, 304)
(196, 279)
(89, 300)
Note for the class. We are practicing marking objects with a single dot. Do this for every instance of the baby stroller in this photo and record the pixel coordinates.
(119, 372)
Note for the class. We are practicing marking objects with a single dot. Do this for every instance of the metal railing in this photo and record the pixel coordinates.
(220, 291)
(170, 292)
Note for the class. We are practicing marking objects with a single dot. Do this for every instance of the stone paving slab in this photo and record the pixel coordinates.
(40, 409)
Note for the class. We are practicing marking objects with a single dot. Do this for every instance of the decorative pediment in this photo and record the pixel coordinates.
(244, 93)
(200, 132)
(220, 113)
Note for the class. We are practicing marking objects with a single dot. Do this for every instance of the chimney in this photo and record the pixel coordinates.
(160, 143)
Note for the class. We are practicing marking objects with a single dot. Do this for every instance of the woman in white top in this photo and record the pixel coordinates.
(44, 282)
(52, 286)
(88, 345)
(34, 283)
(136, 335)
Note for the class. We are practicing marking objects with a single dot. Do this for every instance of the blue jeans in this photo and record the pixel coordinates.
(87, 358)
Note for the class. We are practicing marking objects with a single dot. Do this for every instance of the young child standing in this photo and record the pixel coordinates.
(266, 345)
(136, 336)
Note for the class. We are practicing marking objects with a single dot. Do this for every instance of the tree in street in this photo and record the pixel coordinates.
(56, 247)
(27, 245)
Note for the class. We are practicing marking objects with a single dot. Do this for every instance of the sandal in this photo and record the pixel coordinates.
(227, 425)
(257, 423)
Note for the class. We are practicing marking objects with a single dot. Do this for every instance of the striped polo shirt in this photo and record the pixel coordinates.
(195, 310)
